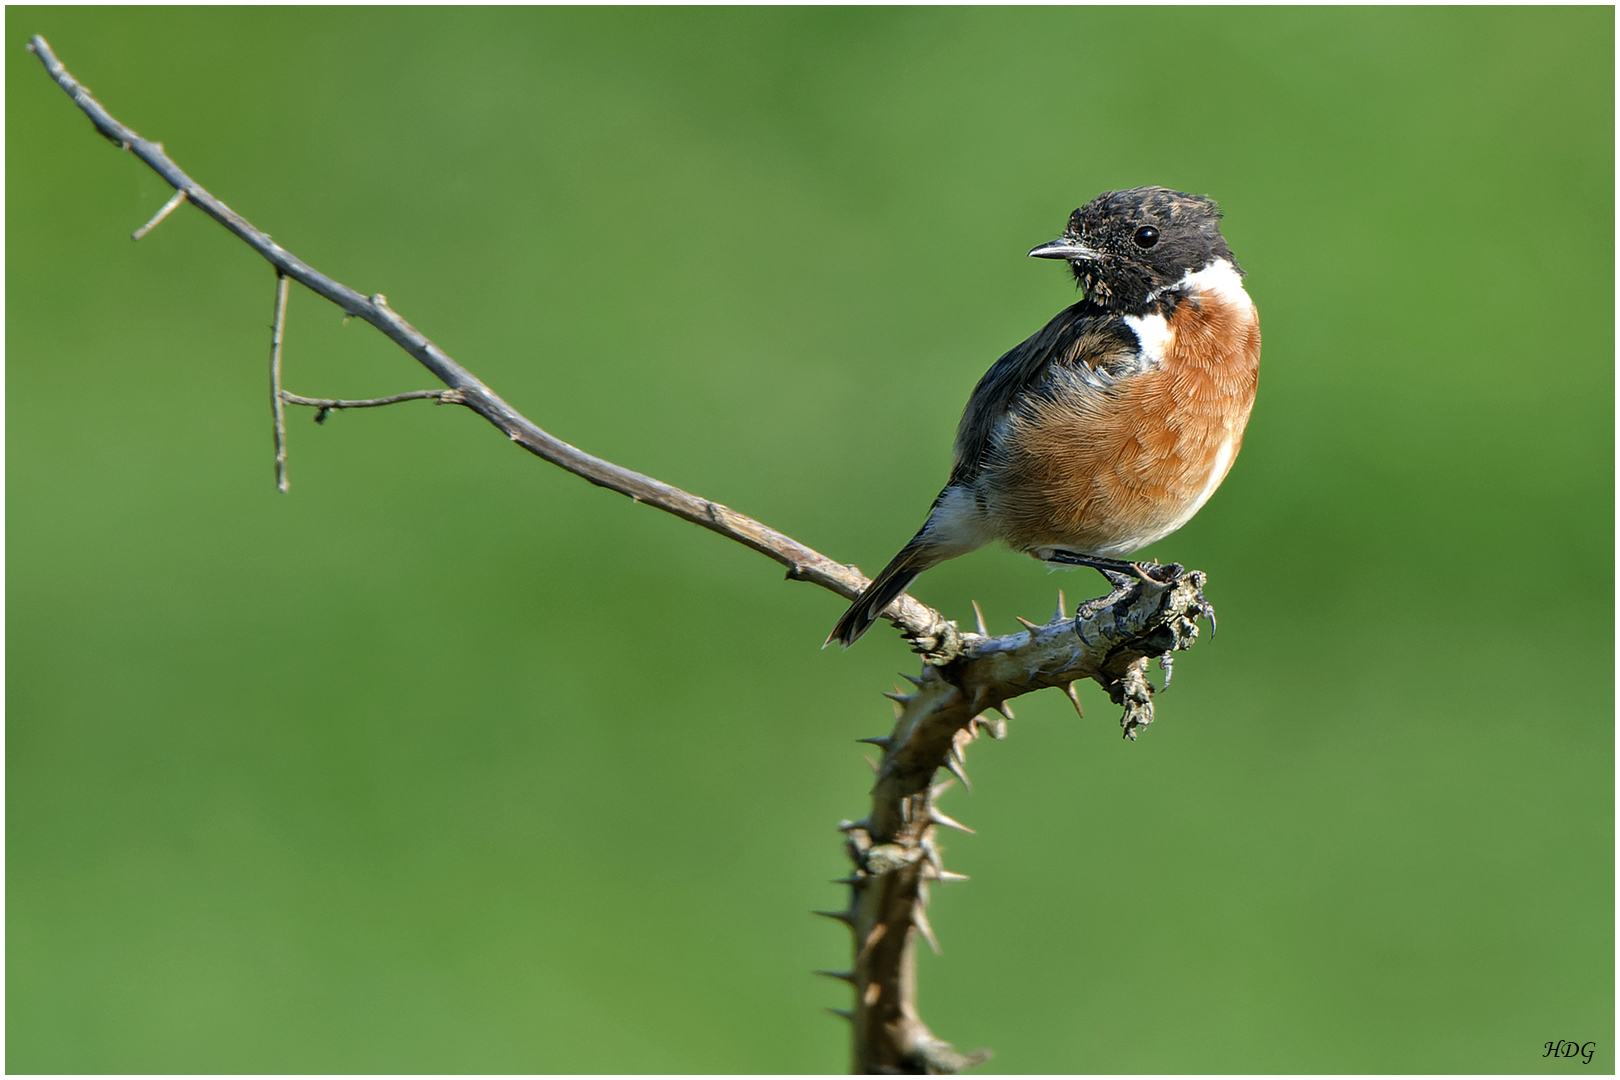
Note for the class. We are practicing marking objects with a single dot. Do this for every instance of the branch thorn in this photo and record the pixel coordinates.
(931, 855)
(948, 822)
(842, 976)
(920, 919)
(845, 917)
(1071, 690)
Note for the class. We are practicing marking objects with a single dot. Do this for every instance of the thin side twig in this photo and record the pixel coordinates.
(449, 397)
(277, 328)
(322, 406)
(157, 219)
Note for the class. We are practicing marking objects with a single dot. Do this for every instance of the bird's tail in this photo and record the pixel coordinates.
(902, 570)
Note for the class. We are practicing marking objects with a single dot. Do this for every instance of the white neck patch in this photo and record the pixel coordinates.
(1153, 336)
(1219, 279)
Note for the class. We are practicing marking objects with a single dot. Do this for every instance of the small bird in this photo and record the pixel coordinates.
(1109, 428)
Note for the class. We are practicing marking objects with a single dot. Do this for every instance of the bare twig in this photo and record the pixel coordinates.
(277, 327)
(322, 406)
(894, 848)
(929, 631)
(157, 219)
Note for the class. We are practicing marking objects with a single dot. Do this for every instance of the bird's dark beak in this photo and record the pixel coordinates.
(1063, 248)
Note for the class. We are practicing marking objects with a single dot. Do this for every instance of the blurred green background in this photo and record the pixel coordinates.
(451, 762)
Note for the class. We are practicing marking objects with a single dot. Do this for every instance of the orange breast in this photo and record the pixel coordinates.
(1109, 470)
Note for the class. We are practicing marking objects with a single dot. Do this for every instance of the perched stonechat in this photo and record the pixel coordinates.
(1111, 426)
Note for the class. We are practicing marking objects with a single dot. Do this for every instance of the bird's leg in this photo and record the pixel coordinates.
(1074, 558)
(1121, 576)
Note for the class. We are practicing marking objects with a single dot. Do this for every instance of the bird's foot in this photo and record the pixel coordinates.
(1121, 586)
(1122, 575)
(1175, 590)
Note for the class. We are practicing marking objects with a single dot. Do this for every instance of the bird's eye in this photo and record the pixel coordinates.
(1146, 237)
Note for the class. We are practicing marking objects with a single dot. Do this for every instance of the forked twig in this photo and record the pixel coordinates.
(926, 628)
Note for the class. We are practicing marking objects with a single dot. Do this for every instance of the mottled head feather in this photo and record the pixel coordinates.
(1117, 271)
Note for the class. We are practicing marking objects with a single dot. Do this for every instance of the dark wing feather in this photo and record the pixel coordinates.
(1083, 336)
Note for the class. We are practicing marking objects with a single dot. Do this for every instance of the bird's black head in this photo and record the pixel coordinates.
(1129, 248)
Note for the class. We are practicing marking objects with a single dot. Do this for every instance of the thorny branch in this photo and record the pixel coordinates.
(895, 850)
(964, 674)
